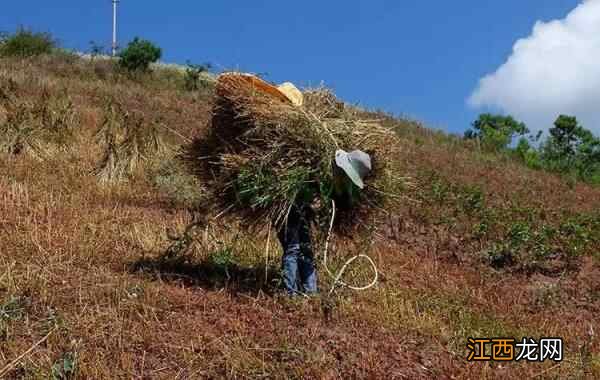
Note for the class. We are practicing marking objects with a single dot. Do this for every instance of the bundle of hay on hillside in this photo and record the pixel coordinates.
(263, 150)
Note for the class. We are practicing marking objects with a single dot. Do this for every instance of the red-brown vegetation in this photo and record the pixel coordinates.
(80, 261)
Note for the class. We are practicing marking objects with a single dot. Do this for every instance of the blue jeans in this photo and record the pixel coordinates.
(298, 264)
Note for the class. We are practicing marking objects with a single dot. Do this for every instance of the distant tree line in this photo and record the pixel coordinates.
(134, 60)
(569, 148)
(26, 43)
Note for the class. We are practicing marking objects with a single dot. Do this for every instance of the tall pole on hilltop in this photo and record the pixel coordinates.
(114, 40)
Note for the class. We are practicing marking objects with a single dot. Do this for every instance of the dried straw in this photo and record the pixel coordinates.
(262, 152)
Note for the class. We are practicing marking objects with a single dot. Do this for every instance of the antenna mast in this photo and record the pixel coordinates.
(114, 41)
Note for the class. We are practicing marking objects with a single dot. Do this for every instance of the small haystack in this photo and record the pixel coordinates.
(262, 152)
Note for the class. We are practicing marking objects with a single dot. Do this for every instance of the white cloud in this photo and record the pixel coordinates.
(556, 70)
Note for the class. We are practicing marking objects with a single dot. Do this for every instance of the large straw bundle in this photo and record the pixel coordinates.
(262, 153)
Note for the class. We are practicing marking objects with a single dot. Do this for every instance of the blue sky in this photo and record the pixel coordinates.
(414, 57)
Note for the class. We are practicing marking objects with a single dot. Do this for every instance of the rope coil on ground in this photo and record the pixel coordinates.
(337, 277)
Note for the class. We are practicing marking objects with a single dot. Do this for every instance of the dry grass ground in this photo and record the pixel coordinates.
(84, 293)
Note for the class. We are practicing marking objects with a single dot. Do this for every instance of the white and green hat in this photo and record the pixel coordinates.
(356, 165)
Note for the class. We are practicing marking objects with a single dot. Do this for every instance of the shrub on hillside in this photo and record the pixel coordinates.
(26, 43)
(496, 132)
(528, 154)
(193, 80)
(572, 149)
(138, 55)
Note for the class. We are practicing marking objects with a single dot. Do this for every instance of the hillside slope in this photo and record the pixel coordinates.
(479, 247)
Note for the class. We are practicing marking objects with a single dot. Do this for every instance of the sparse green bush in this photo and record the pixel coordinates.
(528, 155)
(439, 191)
(26, 43)
(479, 230)
(138, 55)
(580, 232)
(471, 200)
(65, 367)
(193, 80)
(496, 132)
(519, 234)
(223, 258)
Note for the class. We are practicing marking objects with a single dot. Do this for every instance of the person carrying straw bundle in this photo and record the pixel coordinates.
(271, 153)
(298, 266)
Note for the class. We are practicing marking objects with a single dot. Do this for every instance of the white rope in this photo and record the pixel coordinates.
(337, 278)
(267, 253)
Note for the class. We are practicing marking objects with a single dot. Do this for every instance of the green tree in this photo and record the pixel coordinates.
(496, 132)
(571, 148)
(138, 55)
(528, 154)
(26, 43)
(565, 136)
